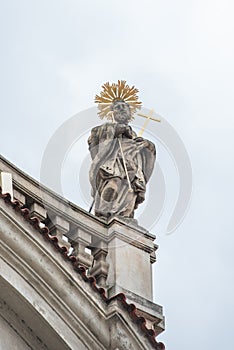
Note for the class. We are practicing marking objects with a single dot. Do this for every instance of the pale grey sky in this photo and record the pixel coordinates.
(55, 55)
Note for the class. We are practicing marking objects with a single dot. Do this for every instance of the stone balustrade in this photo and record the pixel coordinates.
(119, 255)
(66, 221)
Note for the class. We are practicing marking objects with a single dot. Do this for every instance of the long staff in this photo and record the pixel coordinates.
(124, 161)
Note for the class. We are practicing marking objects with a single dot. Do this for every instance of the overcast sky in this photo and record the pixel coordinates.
(55, 55)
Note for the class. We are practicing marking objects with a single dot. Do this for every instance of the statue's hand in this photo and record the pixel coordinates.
(145, 143)
(138, 139)
(123, 129)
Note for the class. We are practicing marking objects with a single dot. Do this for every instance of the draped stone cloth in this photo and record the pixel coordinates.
(110, 188)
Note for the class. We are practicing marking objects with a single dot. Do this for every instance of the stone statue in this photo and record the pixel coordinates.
(122, 163)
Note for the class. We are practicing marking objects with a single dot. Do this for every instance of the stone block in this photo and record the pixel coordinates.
(6, 183)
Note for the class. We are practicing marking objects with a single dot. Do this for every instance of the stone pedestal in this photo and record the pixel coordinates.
(129, 259)
(131, 252)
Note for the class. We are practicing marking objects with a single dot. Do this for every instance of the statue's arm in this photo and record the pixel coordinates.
(146, 144)
(93, 142)
(100, 138)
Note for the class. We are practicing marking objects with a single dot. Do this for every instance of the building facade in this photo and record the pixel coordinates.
(68, 279)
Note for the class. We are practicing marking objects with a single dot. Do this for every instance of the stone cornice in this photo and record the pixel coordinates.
(57, 293)
(60, 293)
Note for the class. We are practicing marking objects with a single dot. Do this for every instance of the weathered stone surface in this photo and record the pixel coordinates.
(19, 197)
(45, 290)
(122, 164)
(55, 303)
(80, 240)
(38, 211)
(6, 182)
(100, 267)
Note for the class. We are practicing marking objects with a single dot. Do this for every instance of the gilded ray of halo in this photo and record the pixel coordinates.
(117, 92)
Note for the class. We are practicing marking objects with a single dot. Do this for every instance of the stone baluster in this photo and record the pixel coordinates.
(59, 227)
(80, 241)
(38, 211)
(100, 267)
(19, 196)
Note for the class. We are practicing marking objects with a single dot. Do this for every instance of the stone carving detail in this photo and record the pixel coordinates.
(100, 267)
(122, 164)
(81, 240)
(59, 229)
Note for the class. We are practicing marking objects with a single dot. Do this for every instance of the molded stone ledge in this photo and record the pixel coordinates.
(134, 236)
(122, 331)
(153, 313)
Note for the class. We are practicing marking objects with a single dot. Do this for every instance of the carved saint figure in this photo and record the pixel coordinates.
(122, 163)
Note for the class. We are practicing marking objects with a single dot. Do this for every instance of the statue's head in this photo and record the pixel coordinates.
(119, 98)
(121, 112)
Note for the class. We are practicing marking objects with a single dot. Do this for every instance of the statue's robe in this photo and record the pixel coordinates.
(110, 188)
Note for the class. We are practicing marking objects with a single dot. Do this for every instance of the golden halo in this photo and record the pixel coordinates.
(117, 92)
